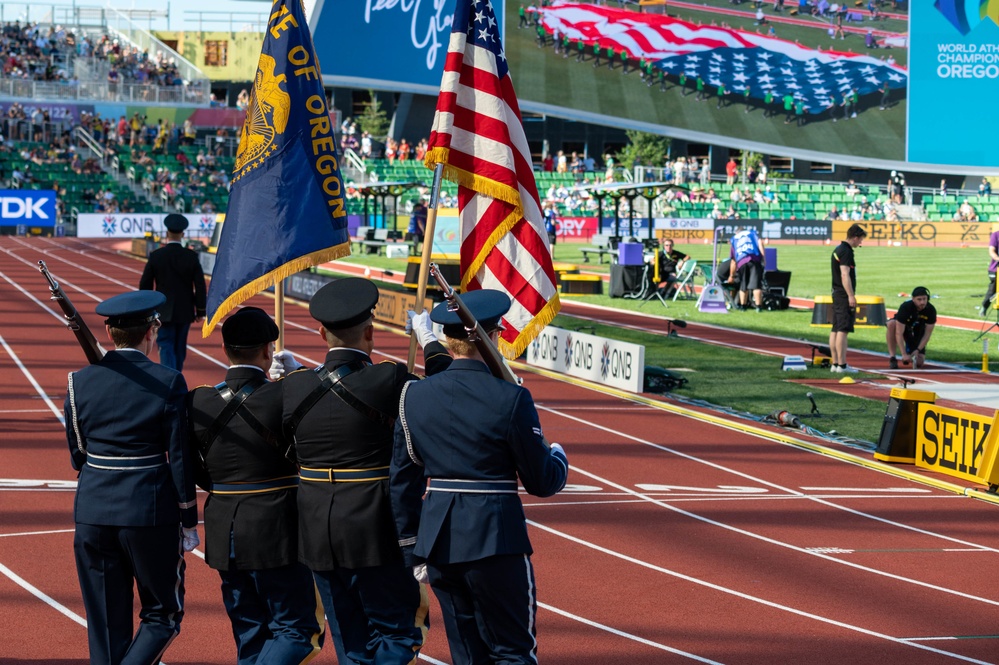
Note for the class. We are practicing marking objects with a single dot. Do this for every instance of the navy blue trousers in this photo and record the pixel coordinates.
(172, 342)
(380, 613)
(108, 560)
(488, 608)
(274, 614)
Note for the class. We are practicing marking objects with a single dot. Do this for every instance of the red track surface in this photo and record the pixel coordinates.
(678, 541)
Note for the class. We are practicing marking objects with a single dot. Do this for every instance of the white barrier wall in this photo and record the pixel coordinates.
(607, 361)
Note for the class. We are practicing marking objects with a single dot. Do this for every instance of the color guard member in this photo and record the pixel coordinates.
(251, 516)
(175, 271)
(135, 509)
(341, 415)
(462, 439)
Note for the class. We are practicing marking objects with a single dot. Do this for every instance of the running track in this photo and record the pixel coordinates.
(678, 541)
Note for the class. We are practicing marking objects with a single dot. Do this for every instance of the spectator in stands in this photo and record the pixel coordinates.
(403, 151)
(966, 212)
(243, 100)
(851, 188)
(731, 168)
(833, 213)
(985, 188)
(910, 329)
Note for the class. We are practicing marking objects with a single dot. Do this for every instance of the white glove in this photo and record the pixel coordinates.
(558, 447)
(421, 326)
(282, 363)
(191, 539)
(420, 573)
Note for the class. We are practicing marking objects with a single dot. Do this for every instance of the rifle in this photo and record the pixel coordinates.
(74, 321)
(490, 354)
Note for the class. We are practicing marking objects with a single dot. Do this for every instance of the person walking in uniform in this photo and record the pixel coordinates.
(341, 415)
(462, 439)
(175, 271)
(135, 508)
(251, 515)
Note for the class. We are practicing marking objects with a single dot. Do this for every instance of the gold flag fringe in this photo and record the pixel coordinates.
(288, 269)
(513, 350)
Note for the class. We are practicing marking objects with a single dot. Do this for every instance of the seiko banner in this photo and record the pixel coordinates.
(138, 224)
(27, 207)
(606, 361)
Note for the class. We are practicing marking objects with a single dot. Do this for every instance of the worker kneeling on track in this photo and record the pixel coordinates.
(911, 328)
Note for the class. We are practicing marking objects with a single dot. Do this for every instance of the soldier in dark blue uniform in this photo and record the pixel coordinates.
(462, 439)
(175, 271)
(251, 517)
(341, 415)
(135, 510)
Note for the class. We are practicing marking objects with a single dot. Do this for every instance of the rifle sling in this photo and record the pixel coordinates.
(233, 402)
(330, 381)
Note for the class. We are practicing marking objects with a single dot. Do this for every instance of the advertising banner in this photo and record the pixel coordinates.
(30, 208)
(954, 67)
(119, 225)
(919, 232)
(606, 361)
(951, 441)
(577, 227)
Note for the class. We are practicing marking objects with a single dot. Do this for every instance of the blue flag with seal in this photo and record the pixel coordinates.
(287, 203)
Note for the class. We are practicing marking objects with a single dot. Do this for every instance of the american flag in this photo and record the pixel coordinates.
(729, 57)
(479, 137)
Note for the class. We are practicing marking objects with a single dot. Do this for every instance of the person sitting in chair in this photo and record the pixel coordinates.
(911, 328)
(670, 261)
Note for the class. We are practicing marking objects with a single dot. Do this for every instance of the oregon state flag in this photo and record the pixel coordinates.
(287, 203)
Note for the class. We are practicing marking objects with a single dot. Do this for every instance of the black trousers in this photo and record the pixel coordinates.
(109, 559)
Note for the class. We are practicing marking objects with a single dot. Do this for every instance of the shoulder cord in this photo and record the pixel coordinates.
(405, 426)
(76, 422)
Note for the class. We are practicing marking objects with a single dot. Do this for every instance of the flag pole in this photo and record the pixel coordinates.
(279, 314)
(428, 248)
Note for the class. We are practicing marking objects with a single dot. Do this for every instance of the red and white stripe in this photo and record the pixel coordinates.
(654, 36)
(479, 136)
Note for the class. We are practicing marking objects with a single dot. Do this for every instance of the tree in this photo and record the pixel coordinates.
(644, 149)
(373, 119)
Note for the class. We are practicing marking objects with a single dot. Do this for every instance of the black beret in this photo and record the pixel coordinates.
(249, 327)
(487, 306)
(344, 303)
(175, 223)
(920, 291)
(132, 309)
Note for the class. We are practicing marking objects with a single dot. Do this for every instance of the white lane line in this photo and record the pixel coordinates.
(893, 490)
(36, 533)
(772, 541)
(31, 379)
(745, 596)
(740, 474)
(629, 636)
(42, 596)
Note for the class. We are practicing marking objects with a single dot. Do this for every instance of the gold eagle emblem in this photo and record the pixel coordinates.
(266, 115)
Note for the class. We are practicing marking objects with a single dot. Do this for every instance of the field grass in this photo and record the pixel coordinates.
(540, 75)
(955, 276)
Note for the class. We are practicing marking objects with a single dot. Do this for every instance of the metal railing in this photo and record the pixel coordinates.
(118, 22)
(194, 94)
(233, 21)
(16, 129)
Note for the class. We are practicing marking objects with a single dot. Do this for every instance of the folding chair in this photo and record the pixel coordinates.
(685, 280)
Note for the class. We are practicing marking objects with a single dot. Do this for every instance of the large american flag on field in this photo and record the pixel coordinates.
(479, 137)
(725, 56)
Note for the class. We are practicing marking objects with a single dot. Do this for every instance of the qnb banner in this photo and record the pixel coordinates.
(120, 225)
(138, 224)
(34, 207)
(606, 361)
